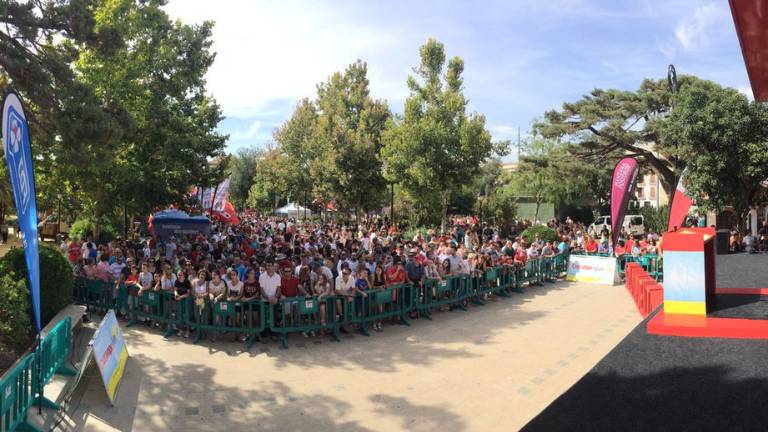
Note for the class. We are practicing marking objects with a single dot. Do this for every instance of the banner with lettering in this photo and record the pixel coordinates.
(110, 353)
(219, 195)
(622, 188)
(18, 156)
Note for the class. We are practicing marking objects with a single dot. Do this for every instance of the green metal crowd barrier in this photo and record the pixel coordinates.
(18, 387)
(244, 319)
(247, 319)
(17, 394)
(528, 273)
(302, 314)
(305, 314)
(395, 301)
(53, 355)
(451, 291)
(99, 295)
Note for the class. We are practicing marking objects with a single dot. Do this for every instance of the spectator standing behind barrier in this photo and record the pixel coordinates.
(251, 293)
(289, 291)
(217, 291)
(269, 282)
(521, 256)
(323, 289)
(182, 288)
(234, 295)
(200, 291)
(415, 275)
(345, 287)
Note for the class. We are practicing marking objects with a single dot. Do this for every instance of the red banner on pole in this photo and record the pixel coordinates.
(681, 204)
(622, 187)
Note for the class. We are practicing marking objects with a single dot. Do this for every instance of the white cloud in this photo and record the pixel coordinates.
(252, 131)
(695, 31)
(504, 132)
(267, 51)
(666, 48)
(747, 91)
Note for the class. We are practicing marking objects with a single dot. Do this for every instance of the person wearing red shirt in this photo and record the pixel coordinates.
(521, 256)
(628, 245)
(289, 290)
(590, 246)
(395, 275)
(289, 284)
(74, 251)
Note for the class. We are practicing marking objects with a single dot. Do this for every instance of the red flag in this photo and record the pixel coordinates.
(681, 204)
(228, 215)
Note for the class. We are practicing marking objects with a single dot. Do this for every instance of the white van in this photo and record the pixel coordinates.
(633, 224)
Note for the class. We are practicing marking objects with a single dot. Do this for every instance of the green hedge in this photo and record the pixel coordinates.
(56, 279)
(547, 234)
(82, 228)
(15, 323)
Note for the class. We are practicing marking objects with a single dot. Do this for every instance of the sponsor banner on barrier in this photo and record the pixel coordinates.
(592, 269)
(110, 353)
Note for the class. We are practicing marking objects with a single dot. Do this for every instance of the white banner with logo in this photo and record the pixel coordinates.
(592, 269)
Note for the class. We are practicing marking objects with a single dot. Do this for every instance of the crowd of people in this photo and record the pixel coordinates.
(270, 258)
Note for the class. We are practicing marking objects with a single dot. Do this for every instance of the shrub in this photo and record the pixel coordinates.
(56, 279)
(655, 219)
(82, 228)
(15, 327)
(547, 234)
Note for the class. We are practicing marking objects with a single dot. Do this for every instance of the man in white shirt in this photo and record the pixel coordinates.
(116, 268)
(345, 284)
(270, 284)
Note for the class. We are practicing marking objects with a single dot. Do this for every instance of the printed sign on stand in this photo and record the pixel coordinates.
(110, 353)
(592, 269)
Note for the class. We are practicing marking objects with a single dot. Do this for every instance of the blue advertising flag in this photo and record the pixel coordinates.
(18, 155)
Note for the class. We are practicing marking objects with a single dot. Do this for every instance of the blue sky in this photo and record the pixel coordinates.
(521, 57)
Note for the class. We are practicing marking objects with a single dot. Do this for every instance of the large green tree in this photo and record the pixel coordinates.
(159, 138)
(436, 147)
(330, 147)
(115, 91)
(242, 168)
(549, 172)
(724, 140)
(608, 124)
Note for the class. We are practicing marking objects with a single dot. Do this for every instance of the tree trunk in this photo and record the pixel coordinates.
(538, 204)
(667, 177)
(444, 211)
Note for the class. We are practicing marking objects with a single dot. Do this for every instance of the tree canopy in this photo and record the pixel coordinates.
(724, 140)
(120, 114)
(329, 148)
(608, 124)
(436, 147)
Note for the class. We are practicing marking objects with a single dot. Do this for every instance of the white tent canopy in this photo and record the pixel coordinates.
(293, 210)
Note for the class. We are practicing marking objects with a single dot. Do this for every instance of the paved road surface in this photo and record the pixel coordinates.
(492, 368)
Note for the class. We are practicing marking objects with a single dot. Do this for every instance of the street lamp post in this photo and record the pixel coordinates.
(392, 204)
(58, 215)
(674, 88)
